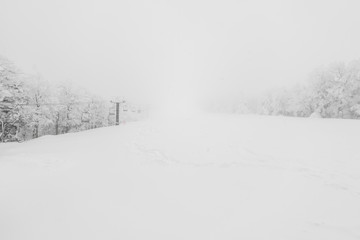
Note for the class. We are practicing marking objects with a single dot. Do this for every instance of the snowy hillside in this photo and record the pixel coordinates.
(213, 177)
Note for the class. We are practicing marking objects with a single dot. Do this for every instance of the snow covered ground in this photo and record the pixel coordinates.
(211, 177)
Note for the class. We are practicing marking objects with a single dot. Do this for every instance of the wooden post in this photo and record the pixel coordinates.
(117, 113)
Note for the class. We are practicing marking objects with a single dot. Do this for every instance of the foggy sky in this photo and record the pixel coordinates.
(166, 49)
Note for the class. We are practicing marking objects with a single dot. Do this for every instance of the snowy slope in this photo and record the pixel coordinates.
(213, 177)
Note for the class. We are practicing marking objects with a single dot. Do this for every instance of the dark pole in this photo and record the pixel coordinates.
(117, 113)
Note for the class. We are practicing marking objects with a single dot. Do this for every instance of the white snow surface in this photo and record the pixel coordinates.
(211, 177)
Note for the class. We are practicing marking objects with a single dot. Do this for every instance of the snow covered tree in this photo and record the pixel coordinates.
(39, 99)
(69, 111)
(333, 92)
(12, 98)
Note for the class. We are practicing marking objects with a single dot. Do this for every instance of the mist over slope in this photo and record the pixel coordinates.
(209, 177)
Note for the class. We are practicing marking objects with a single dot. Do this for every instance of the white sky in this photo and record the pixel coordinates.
(144, 49)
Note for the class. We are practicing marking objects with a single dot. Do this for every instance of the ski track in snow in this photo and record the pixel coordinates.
(245, 157)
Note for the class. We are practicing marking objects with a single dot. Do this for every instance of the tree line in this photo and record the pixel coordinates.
(330, 92)
(30, 107)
